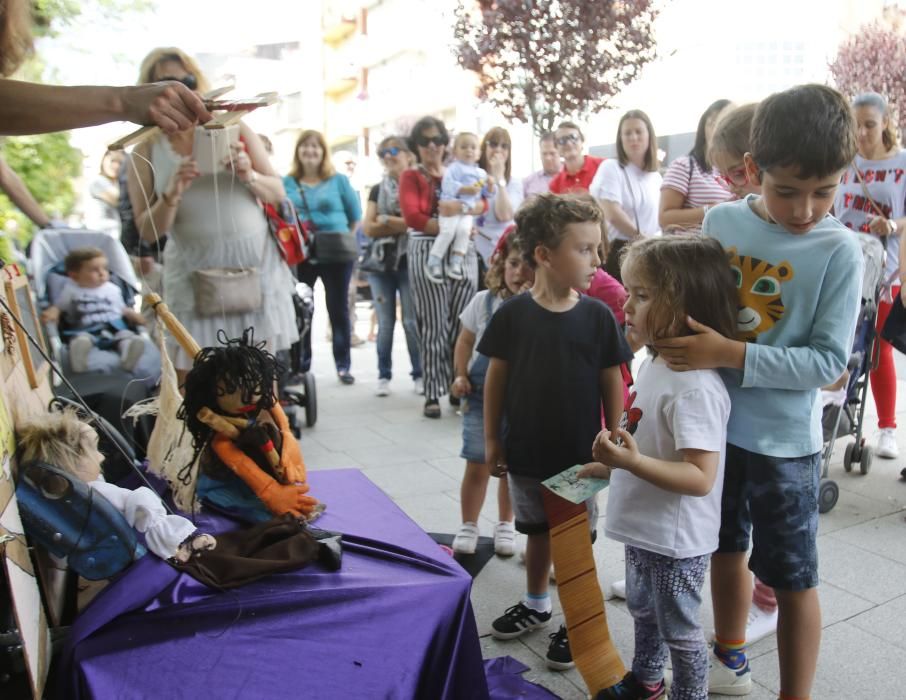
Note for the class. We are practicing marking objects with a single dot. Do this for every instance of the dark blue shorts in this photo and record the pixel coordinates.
(775, 501)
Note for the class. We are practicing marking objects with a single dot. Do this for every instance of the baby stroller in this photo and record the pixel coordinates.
(108, 389)
(297, 388)
(847, 417)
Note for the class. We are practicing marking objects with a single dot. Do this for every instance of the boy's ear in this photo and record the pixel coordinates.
(753, 172)
(542, 255)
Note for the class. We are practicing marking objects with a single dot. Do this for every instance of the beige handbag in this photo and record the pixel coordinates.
(225, 290)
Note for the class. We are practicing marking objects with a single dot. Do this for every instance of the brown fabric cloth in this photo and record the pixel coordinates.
(242, 556)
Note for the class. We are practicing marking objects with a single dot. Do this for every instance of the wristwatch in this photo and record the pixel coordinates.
(383, 219)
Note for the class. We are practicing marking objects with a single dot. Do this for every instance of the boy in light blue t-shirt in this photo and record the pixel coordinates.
(799, 274)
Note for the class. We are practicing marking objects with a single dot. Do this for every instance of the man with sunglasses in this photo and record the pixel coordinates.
(578, 169)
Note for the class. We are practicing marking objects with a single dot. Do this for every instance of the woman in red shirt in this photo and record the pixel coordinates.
(437, 306)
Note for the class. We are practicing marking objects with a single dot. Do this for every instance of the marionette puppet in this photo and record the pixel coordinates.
(64, 441)
(247, 454)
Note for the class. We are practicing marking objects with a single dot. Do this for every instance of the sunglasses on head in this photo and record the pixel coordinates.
(424, 141)
(189, 80)
(498, 144)
(390, 151)
(569, 138)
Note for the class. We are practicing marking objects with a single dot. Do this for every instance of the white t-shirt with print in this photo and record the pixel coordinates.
(637, 191)
(476, 316)
(667, 412)
(87, 306)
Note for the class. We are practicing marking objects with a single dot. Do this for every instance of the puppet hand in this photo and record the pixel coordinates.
(707, 349)
(287, 498)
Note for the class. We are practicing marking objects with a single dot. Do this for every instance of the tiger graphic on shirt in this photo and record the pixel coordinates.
(760, 303)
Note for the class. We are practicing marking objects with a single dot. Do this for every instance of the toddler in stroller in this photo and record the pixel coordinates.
(94, 312)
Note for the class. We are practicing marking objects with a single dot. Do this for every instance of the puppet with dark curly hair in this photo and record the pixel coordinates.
(239, 428)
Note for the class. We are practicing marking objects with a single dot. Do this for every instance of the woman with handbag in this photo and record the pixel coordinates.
(872, 199)
(326, 200)
(628, 187)
(691, 184)
(437, 306)
(222, 270)
(387, 264)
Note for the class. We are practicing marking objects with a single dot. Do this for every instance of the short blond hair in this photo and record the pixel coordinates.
(172, 53)
(58, 438)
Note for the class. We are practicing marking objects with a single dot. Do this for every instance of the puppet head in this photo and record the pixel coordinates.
(235, 378)
(63, 440)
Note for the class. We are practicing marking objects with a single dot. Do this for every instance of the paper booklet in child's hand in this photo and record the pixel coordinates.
(568, 485)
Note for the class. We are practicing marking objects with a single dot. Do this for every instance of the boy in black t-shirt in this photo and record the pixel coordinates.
(555, 358)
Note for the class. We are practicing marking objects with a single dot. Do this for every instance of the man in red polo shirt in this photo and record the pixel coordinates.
(578, 169)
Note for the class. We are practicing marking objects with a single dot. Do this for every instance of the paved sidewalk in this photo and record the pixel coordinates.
(862, 542)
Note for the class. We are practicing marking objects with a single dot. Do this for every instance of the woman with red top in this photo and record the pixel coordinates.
(578, 169)
(437, 306)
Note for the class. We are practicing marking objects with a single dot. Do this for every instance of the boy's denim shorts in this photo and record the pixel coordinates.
(473, 428)
(528, 506)
(775, 501)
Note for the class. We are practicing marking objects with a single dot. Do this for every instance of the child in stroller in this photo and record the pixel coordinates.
(94, 311)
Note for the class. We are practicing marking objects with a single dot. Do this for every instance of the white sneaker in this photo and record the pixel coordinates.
(383, 387)
(418, 386)
(618, 588)
(79, 348)
(887, 444)
(723, 680)
(760, 624)
(505, 539)
(131, 352)
(466, 539)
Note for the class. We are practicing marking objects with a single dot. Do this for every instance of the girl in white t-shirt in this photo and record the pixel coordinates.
(508, 275)
(666, 468)
(629, 187)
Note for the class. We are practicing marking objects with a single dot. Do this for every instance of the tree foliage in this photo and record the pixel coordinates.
(542, 60)
(874, 59)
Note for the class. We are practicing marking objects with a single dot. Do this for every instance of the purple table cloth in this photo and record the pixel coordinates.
(394, 622)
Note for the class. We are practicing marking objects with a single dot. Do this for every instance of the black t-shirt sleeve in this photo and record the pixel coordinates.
(493, 342)
(614, 350)
(373, 194)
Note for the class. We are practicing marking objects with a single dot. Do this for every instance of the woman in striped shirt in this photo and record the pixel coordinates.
(691, 184)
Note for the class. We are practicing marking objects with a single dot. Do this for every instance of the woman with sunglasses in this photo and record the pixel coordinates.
(214, 220)
(691, 185)
(872, 199)
(628, 187)
(578, 169)
(326, 198)
(384, 221)
(437, 306)
(496, 159)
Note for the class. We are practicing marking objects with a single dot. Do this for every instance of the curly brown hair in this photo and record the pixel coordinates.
(543, 219)
(15, 35)
(495, 277)
(685, 276)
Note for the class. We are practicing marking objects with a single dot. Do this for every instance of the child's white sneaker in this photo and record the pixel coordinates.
(131, 352)
(454, 269)
(505, 539)
(887, 444)
(466, 539)
(724, 680)
(434, 269)
(79, 347)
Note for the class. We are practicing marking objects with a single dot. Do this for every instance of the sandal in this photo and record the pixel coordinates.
(432, 409)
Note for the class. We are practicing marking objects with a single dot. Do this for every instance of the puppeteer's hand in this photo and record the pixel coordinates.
(168, 104)
(288, 498)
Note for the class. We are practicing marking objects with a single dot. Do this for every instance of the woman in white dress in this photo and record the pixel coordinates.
(214, 219)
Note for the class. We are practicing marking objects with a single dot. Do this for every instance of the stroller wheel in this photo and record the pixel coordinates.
(311, 399)
(828, 493)
(850, 456)
(865, 462)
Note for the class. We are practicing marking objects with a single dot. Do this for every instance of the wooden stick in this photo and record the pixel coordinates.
(580, 594)
(177, 330)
